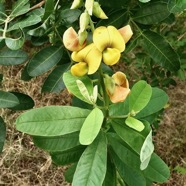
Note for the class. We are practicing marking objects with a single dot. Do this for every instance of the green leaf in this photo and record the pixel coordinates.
(91, 168)
(132, 137)
(131, 176)
(152, 13)
(12, 57)
(15, 44)
(44, 60)
(70, 82)
(68, 156)
(139, 97)
(70, 173)
(114, 4)
(20, 7)
(134, 124)
(57, 143)
(110, 177)
(25, 101)
(157, 101)
(49, 8)
(91, 127)
(54, 82)
(2, 134)
(117, 18)
(24, 75)
(70, 16)
(51, 120)
(8, 100)
(157, 170)
(160, 51)
(146, 151)
(29, 21)
(119, 109)
(176, 6)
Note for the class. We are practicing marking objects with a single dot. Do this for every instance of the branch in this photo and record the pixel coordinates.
(39, 5)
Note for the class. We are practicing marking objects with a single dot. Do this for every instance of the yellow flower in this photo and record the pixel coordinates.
(110, 42)
(90, 56)
(121, 88)
(71, 40)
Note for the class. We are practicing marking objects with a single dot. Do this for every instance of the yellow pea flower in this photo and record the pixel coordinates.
(109, 41)
(121, 88)
(71, 40)
(79, 69)
(89, 55)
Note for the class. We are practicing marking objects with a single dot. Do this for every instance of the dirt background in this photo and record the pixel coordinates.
(23, 164)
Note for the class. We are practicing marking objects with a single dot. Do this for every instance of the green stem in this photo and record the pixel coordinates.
(118, 117)
(6, 26)
(91, 25)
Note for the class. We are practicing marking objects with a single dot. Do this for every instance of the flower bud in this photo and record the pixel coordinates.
(109, 84)
(120, 79)
(98, 12)
(76, 4)
(71, 40)
(111, 56)
(126, 33)
(79, 69)
(89, 6)
(84, 21)
(82, 36)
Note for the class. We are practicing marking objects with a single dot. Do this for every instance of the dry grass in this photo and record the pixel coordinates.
(22, 164)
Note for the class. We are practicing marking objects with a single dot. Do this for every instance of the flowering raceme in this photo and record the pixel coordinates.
(120, 90)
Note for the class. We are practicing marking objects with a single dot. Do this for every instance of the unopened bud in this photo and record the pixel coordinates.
(89, 6)
(82, 37)
(98, 12)
(84, 21)
(109, 84)
(126, 33)
(76, 4)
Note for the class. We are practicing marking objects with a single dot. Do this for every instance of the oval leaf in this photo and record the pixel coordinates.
(91, 127)
(57, 143)
(139, 97)
(51, 120)
(12, 57)
(91, 168)
(157, 101)
(160, 51)
(8, 100)
(54, 82)
(146, 151)
(25, 101)
(176, 6)
(152, 13)
(134, 124)
(44, 60)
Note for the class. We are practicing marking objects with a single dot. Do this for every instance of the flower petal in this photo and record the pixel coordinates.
(101, 38)
(116, 40)
(71, 41)
(111, 56)
(126, 33)
(120, 94)
(120, 79)
(79, 69)
(93, 59)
